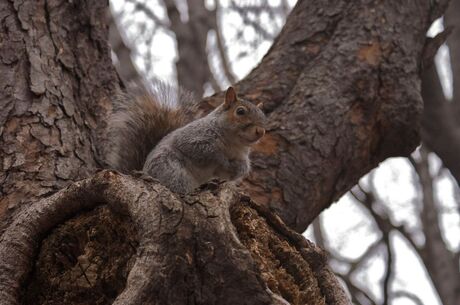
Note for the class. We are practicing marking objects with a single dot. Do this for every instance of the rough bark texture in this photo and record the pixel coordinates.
(188, 252)
(341, 85)
(55, 77)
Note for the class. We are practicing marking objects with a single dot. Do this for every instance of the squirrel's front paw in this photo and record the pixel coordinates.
(144, 176)
(211, 185)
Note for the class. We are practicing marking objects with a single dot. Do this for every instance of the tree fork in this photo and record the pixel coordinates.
(214, 246)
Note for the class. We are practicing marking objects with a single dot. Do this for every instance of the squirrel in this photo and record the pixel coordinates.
(155, 133)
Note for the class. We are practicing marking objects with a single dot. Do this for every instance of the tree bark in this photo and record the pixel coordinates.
(193, 249)
(341, 86)
(56, 78)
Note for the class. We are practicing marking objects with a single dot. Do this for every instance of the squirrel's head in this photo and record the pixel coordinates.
(245, 119)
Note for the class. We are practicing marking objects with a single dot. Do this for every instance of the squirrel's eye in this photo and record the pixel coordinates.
(240, 111)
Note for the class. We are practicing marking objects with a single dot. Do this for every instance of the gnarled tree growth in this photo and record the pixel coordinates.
(342, 89)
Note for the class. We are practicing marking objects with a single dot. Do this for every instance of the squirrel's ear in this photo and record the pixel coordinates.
(230, 97)
(260, 105)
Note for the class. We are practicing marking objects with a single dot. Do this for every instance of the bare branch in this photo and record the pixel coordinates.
(357, 293)
(214, 83)
(221, 46)
(432, 46)
(370, 251)
(439, 261)
(140, 6)
(384, 221)
(173, 13)
(318, 232)
(440, 125)
(389, 269)
(408, 295)
(453, 42)
(248, 21)
(125, 66)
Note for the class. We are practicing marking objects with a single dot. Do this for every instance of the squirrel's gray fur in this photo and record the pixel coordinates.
(141, 118)
(157, 134)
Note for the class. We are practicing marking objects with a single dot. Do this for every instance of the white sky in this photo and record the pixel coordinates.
(243, 58)
(349, 229)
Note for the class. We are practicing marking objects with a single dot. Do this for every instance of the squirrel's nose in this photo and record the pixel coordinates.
(260, 131)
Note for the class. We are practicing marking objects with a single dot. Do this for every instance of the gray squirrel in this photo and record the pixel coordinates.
(156, 133)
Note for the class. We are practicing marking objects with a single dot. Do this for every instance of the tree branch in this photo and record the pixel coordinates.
(406, 294)
(383, 221)
(389, 269)
(221, 46)
(303, 160)
(453, 42)
(356, 291)
(124, 65)
(435, 254)
(140, 6)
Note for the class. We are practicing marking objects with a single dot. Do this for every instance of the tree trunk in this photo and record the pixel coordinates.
(56, 78)
(342, 90)
(191, 37)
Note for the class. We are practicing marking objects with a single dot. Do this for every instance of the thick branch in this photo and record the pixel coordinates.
(192, 64)
(342, 91)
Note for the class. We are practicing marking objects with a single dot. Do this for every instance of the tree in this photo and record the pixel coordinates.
(341, 87)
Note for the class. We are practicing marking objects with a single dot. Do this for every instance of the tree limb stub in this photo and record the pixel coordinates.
(212, 247)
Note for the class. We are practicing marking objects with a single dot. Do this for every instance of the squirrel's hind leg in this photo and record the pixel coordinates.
(172, 174)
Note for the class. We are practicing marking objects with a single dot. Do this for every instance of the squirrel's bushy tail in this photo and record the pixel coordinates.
(142, 118)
